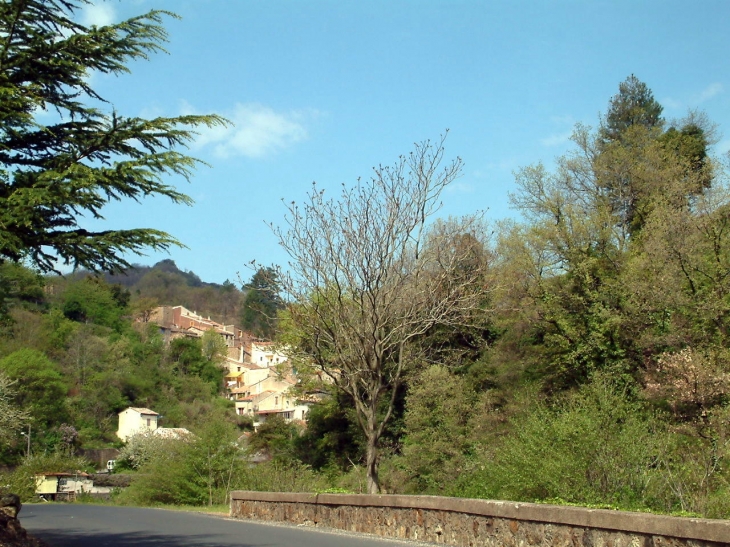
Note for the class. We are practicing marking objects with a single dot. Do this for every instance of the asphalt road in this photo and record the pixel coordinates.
(75, 525)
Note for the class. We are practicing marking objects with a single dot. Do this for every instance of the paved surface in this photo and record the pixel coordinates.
(76, 525)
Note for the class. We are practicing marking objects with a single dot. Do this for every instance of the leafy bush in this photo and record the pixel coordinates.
(142, 448)
(196, 470)
(438, 408)
(281, 476)
(598, 447)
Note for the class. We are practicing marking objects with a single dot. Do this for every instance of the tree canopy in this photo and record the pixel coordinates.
(634, 105)
(261, 303)
(51, 174)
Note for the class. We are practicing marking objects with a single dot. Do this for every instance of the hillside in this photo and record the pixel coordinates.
(169, 285)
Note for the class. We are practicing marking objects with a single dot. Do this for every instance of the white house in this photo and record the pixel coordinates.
(135, 420)
(267, 354)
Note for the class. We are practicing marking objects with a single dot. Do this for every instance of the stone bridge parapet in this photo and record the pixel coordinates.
(471, 522)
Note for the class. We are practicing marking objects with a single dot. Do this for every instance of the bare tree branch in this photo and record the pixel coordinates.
(368, 277)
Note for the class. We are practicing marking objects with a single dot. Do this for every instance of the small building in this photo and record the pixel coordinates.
(135, 420)
(62, 486)
(267, 354)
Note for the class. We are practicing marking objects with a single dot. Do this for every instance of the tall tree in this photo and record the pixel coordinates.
(368, 280)
(634, 105)
(605, 231)
(262, 303)
(52, 174)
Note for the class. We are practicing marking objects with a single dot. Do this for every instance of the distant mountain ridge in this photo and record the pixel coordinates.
(132, 276)
(171, 286)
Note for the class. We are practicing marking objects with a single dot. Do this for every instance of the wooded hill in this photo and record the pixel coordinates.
(170, 286)
(78, 357)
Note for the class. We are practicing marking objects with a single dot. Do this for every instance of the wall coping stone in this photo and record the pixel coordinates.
(606, 519)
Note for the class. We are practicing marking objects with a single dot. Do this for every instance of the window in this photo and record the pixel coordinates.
(276, 401)
(149, 422)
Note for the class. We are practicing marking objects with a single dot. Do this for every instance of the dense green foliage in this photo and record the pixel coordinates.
(619, 460)
(40, 389)
(83, 368)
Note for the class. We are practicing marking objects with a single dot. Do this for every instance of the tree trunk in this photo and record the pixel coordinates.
(371, 464)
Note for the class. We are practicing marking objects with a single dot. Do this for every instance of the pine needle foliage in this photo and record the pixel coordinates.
(50, 175)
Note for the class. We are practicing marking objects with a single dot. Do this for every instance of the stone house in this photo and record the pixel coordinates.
(178, 321)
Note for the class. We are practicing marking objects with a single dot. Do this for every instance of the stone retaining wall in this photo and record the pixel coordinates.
(466, 522)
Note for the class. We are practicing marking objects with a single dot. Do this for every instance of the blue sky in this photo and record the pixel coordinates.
(324, 90)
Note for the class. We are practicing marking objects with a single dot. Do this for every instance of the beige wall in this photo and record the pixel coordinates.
(131, 421)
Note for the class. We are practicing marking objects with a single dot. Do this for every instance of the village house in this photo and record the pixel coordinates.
(266, 395)
(267, 403)
(133, 421)
(136, 420)
(267, 354)
(253, 379)
(178, 321)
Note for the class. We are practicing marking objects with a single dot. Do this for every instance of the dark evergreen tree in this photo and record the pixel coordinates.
(634, 105)
(261, 303)
(51, 174)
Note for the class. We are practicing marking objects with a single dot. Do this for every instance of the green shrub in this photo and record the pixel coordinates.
(599, 447)
(439, 406)
(194, 470)
(281, 476)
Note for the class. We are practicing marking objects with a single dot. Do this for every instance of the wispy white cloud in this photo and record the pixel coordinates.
(563, 120)
(257, 131)
(564, 130)
(460, 188)
(669, 102)
(557, 139)
(505, 165)
(99, 14)
(709, 92)
(706, 94)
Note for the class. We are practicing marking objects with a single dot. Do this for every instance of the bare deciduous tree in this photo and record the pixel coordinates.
(368, 278)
